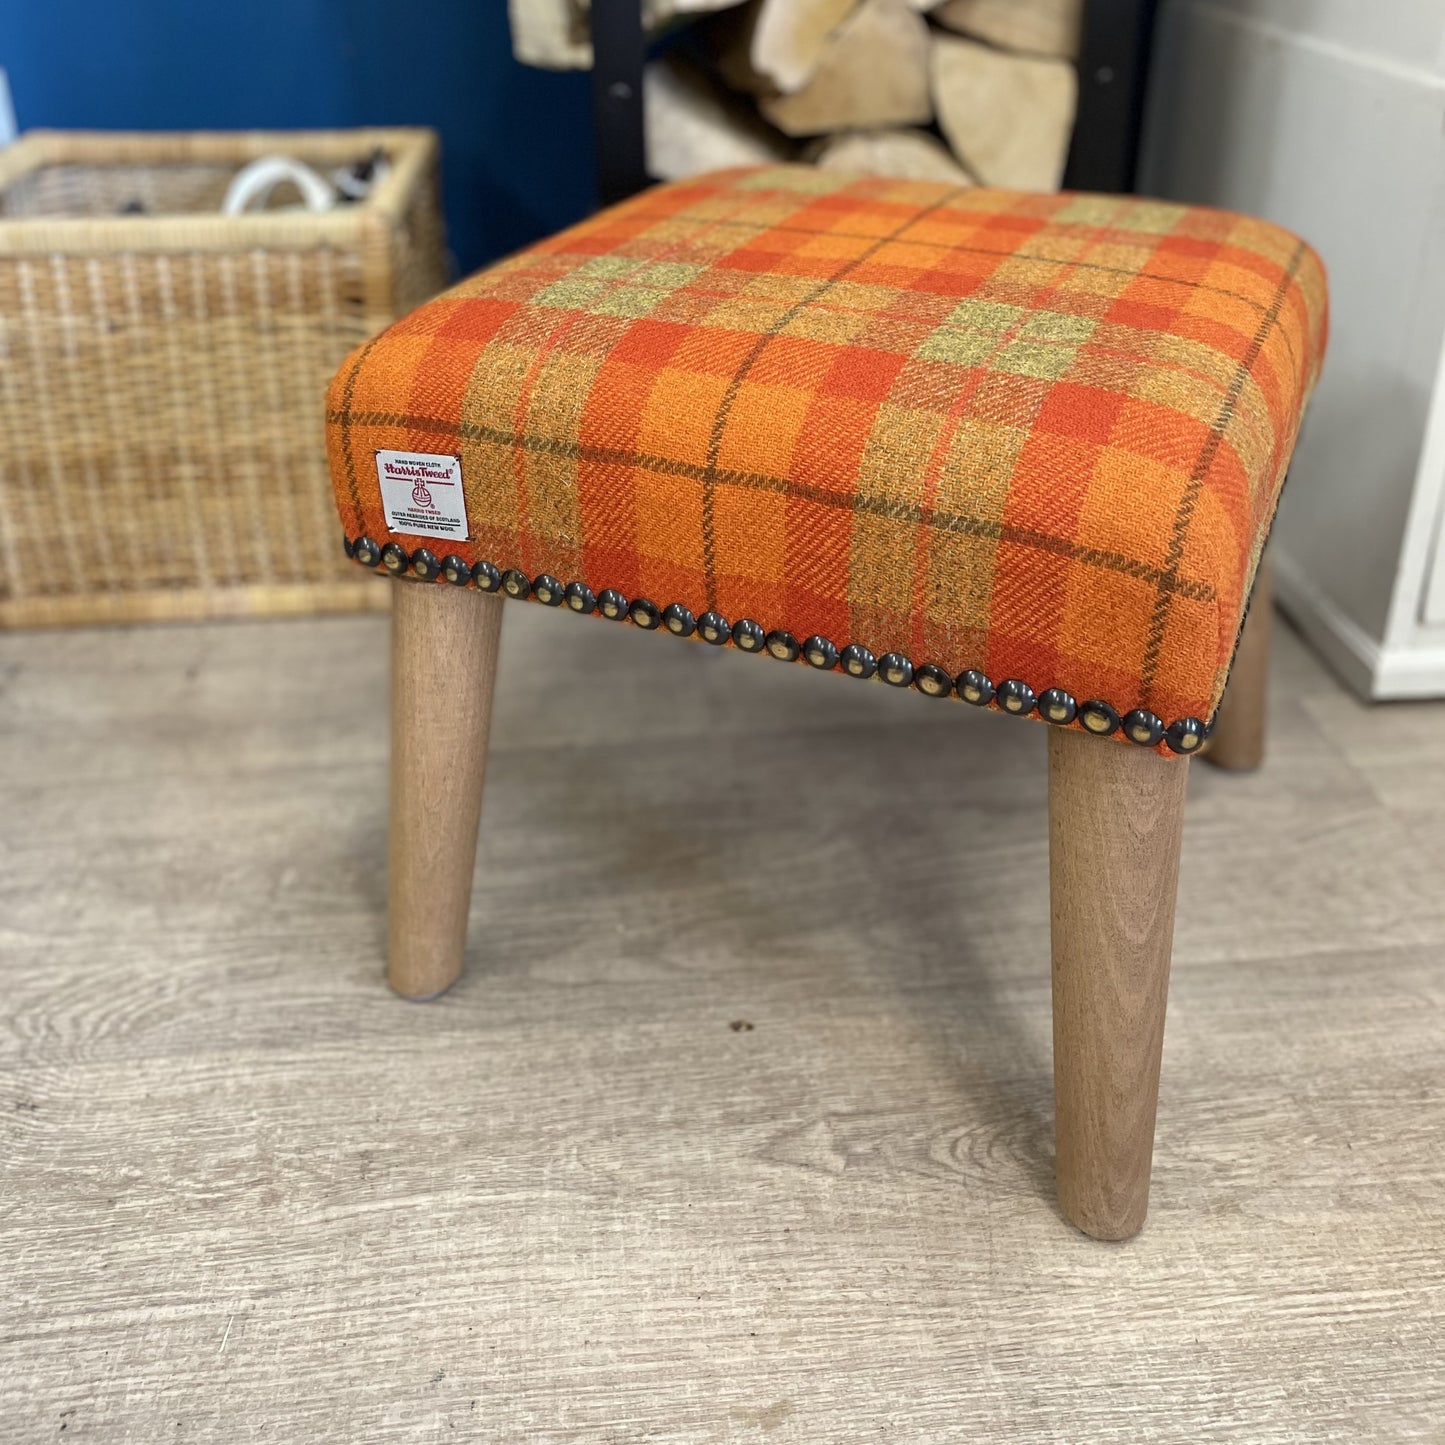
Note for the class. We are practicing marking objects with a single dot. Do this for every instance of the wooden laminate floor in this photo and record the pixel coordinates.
(739, 1127)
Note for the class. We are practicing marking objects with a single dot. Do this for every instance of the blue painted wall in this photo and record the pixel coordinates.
(516, 142)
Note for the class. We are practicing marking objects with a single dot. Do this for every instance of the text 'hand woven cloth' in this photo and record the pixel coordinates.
(1025, 448)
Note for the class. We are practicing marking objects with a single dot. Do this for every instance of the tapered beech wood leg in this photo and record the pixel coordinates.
(1115, 816)
(1237, 742)
(443, 662)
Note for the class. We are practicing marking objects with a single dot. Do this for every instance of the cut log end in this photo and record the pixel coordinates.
(557, 34)
(1033, 27)
(1009, 118)
(913, 155)
(693, 125)
(860, 75)
(872, 72)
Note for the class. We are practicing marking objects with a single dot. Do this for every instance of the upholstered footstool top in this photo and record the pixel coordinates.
(1021, 449)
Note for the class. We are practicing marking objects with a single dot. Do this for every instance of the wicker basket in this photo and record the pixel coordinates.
(163, 369)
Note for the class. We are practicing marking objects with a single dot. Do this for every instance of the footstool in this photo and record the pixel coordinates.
(1019, 451)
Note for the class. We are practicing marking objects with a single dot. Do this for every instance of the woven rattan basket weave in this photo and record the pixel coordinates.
(163, 369)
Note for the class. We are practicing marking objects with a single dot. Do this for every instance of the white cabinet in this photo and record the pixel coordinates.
(1328, 116)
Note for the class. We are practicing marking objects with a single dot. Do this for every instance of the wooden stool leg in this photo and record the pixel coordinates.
(443, 662)
(1115, 817)
(1237, 742)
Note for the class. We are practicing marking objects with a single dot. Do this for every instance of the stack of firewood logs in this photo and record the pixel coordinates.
(965, 90)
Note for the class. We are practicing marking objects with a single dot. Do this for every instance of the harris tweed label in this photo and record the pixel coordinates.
(422, 493)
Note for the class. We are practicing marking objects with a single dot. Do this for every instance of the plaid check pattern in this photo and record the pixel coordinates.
(1040, 436)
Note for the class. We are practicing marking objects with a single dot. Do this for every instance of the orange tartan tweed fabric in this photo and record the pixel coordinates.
(1038, 435)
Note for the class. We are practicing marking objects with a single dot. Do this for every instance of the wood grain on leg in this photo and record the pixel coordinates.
(1237, 742)
(443, 662)
(1115, 816)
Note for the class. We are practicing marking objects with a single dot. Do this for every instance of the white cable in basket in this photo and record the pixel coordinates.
(256, 181)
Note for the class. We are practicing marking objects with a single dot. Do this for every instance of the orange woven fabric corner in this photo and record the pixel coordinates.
(1039, 437)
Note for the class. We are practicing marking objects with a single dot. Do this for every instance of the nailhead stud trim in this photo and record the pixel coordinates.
(783, 646)
(1015, 697)
(1099, 718)
(932, 681)
(820, 653)
(1183, 736)
(678, 620)
(645, 613)
(895, 669)
(973, 686)
(713, 627)
(580, 597)
(748, 635)
(1143, 727)
(1057, 706)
